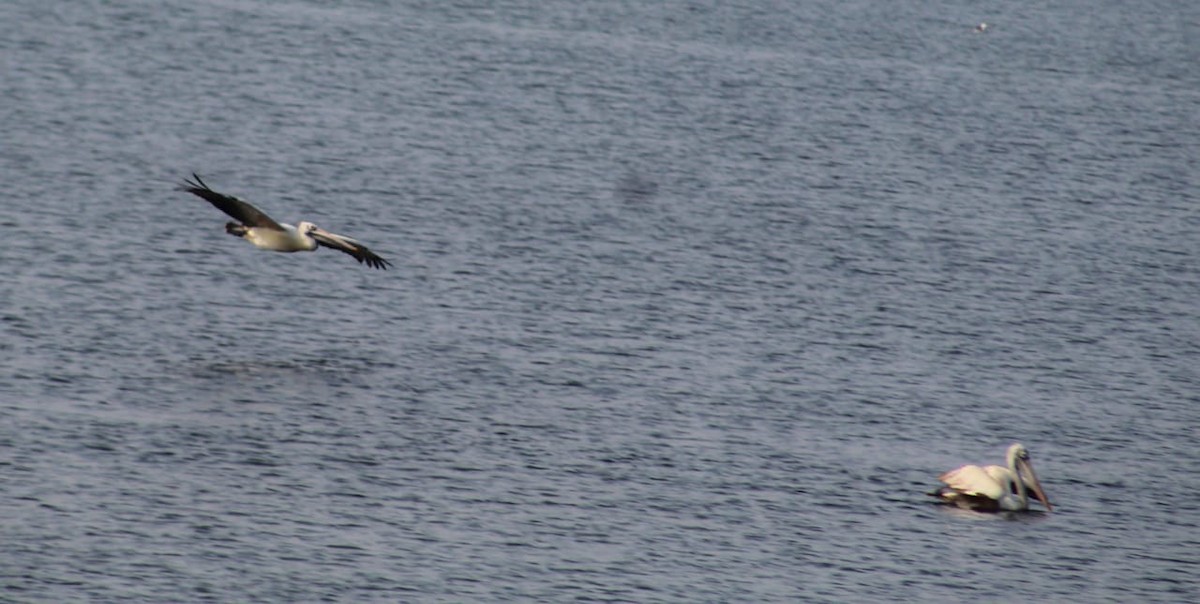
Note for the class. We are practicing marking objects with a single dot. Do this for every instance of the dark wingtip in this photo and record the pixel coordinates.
(193, 187)
(373, 261)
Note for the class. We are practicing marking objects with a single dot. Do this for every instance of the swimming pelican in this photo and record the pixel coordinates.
(266, 234)
(994, 489)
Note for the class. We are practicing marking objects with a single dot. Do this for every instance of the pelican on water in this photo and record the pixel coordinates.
(994, 488)
(266, 234)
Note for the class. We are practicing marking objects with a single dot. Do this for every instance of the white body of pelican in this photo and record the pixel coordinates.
(994, 488)
(266, 234)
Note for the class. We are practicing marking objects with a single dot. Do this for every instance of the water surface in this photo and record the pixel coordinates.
(691, 301)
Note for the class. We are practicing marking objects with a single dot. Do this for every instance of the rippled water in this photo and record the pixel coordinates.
(692, 301)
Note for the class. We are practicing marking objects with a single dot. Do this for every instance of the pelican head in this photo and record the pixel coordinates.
(1021, 464)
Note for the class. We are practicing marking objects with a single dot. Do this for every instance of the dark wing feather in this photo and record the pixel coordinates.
(242, 211)
(352, 247)
(967, 501)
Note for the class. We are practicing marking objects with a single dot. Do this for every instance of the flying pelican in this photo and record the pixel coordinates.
(266, 234)
(994, 489)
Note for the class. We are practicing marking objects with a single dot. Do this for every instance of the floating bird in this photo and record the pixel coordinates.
(994, 489)
(266, 234)
(982, 27)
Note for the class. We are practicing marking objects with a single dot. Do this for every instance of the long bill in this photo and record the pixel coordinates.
(1026, 475)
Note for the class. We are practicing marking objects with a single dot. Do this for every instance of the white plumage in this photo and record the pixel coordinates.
(994, 488)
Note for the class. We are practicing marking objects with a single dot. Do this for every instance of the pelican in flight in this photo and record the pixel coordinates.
(266, 234)
(994, 488)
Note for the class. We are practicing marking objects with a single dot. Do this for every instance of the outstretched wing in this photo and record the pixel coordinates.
(350, 246)
(242, 211)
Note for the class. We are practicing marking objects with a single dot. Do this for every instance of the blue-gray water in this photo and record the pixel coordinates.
(692, 301)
